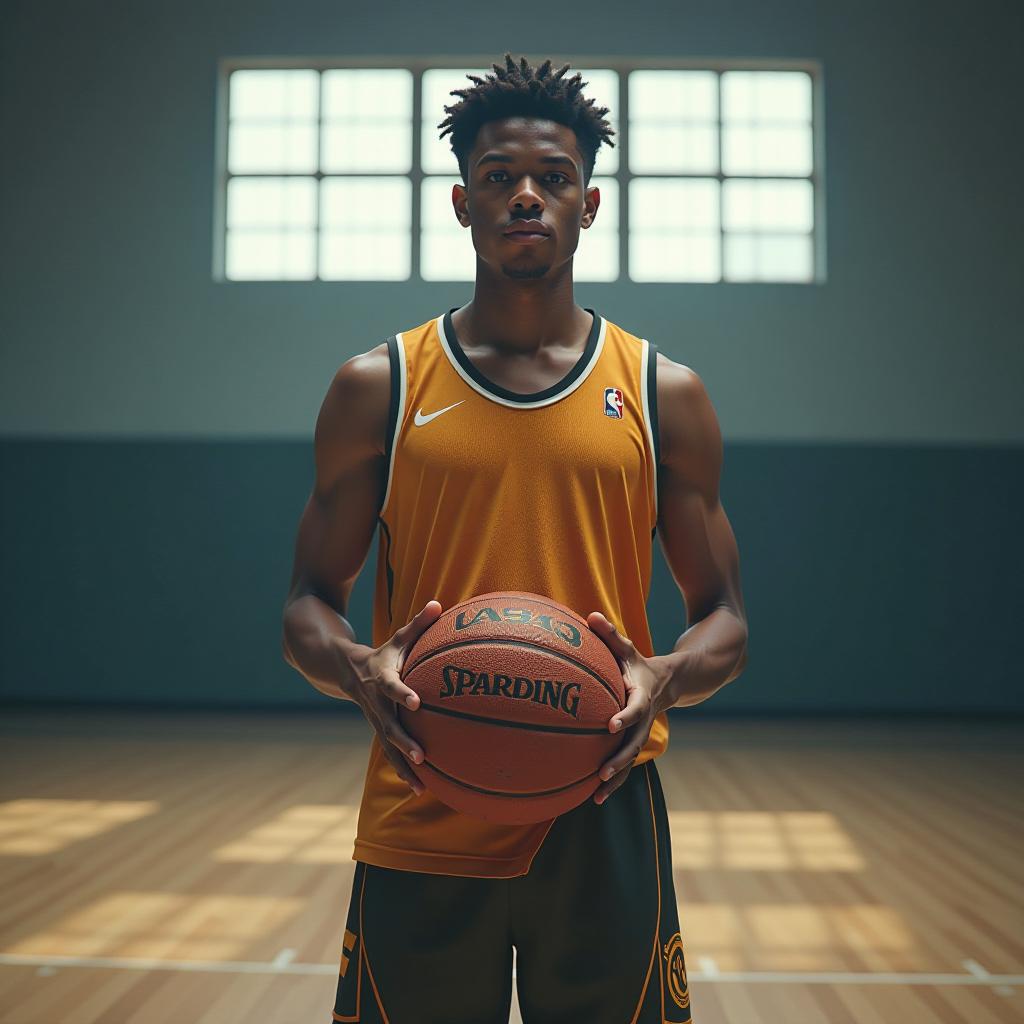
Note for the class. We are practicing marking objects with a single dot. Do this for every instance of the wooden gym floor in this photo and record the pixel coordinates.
(195, 868)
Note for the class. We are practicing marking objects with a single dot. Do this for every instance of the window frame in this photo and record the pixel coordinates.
(417, 65)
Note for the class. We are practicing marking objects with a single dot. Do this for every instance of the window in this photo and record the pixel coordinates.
(733, 195)
(337, 174)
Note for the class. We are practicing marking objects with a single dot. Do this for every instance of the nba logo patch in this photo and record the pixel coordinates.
(613, 402)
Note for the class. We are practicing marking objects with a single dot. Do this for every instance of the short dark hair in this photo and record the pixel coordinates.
(523, 91)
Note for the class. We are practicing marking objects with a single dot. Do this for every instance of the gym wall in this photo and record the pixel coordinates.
(156, 425)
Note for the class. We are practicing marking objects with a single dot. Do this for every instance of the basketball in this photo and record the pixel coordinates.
(515, 695)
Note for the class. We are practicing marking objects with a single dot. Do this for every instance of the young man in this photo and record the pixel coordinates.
(517, 443)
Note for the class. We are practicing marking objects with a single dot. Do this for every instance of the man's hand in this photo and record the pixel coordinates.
(375, 684)
(645, 680)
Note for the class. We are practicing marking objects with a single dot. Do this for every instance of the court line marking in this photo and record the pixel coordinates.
(979, 972)
(975, 968)
(722, 977)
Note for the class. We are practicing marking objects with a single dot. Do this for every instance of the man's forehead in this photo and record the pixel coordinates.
(517, 134)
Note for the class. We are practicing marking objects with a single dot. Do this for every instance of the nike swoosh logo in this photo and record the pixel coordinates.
(419, 419)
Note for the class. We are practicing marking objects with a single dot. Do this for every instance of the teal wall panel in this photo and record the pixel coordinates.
(875, 578)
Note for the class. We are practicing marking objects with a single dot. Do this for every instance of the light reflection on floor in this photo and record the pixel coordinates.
(29, 827)
(762, 841)
(790, 937)
(304, 834)
(162, 924)
(736, 935)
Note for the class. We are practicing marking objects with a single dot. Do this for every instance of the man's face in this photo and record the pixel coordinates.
(525, 169)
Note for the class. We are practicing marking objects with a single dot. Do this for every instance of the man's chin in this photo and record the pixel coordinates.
(525, 273)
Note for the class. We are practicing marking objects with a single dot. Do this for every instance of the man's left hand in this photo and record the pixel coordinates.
(645, 679)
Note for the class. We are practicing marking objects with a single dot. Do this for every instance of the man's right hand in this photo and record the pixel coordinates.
(375, 684)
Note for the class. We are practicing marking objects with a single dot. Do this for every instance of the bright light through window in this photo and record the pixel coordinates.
(714, 169)
(733, 198)
(436, 156)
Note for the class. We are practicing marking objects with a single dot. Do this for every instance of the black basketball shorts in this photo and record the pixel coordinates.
(593, 922)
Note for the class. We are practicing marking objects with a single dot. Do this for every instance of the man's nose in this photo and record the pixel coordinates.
(526, 195)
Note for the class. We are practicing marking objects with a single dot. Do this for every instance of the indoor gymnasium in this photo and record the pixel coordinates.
(508, 515)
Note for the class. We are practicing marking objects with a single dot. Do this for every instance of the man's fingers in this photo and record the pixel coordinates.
(606, 789)
(405, 773)
(405, 637)
(623, 757)
(392, 731)
(391, 685)
(637, 704)
(632, 743)
(386, 726)
(620, 646)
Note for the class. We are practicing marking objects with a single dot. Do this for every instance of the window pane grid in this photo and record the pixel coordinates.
(750, 133)
(336, 173)
(360, 227)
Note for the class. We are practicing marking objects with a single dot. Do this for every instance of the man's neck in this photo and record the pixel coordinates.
(521, 318)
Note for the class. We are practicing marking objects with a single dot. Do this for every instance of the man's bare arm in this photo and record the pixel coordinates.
(334, 538)
(701, 551)
(697, 539)
(339, 520)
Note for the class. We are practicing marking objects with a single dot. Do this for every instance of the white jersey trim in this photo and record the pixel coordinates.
(402, 387)
(446, 346)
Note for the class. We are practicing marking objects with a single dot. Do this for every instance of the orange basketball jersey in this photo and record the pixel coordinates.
(553, 492)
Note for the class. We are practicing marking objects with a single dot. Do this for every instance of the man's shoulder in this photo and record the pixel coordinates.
(679, 380)
(358, 399)
(688, 425)
(367, 371)
(371, 369)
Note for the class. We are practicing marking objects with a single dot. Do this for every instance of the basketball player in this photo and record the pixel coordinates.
(518, 442)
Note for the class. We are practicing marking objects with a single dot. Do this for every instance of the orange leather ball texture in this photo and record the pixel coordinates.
(515, 696)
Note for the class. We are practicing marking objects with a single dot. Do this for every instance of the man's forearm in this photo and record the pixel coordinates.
(314, 642)
(708, 655)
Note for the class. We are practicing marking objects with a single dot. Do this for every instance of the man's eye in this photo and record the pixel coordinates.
(553, 174)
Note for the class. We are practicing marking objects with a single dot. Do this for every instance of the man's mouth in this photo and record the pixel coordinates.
(527, 229)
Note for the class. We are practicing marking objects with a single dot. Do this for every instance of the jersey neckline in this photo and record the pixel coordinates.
(485, 386)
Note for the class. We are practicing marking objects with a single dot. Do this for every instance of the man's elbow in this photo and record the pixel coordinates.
(286, 651)
(740, 665)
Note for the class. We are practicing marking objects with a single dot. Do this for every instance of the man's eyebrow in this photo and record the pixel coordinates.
(500, 158)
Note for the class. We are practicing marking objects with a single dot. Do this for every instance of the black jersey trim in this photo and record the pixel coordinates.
(396, 395)
(389, 571)
(652, 397)
(394, 412)
(652, 407)
(514, 396)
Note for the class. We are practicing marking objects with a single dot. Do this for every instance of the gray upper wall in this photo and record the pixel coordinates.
(112, 326)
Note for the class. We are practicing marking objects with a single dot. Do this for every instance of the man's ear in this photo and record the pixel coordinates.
(460, 201)
(591, 202)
